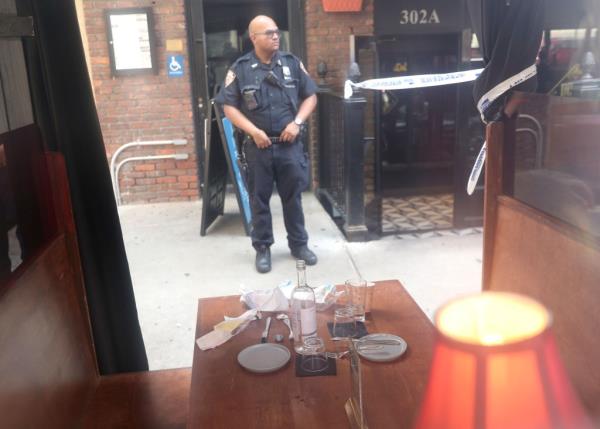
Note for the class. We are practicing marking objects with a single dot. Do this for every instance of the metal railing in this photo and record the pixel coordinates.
(115, 167)
(538, 135)
(332, 150)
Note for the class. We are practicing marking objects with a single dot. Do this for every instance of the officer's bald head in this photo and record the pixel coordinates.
(261, 23)
(264, 35)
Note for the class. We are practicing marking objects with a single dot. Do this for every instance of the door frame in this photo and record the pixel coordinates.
(194, 16)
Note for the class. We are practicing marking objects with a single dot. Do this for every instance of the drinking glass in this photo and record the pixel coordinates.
(358, 293)
(314, 358)
(369, 300)
(344, 323)
(342, 297)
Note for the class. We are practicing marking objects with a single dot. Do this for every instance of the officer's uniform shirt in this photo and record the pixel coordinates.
(263, 103)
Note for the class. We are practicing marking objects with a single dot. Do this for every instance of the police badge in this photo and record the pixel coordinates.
(286, 73)
(229, 78)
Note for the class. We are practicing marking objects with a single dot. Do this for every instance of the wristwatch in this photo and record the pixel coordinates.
(298, 121)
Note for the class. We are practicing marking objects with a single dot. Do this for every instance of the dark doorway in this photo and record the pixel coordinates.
(417, 134)
(226, 29)
(218, 36)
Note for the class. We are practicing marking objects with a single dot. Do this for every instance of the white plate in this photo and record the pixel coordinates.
(264, 357)
(383, 353)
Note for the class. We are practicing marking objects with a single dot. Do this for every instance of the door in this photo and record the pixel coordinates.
(417, 134)
(418, 126)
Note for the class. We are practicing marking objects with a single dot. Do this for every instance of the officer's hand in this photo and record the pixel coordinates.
(261, 139)
(290, 133)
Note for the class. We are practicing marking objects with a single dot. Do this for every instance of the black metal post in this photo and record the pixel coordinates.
(354, 112)
(322, 119)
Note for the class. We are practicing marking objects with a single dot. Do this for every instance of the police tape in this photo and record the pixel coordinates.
(412, 82)
(476, 171)
(505, 86)
(485, 102)
(429, 80)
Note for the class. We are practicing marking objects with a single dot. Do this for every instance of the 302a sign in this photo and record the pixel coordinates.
(419, 17)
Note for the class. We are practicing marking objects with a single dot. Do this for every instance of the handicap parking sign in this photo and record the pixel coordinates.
(175, 65)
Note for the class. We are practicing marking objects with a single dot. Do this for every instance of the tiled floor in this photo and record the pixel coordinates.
(439, 233)
(421, 217)
(418, 213)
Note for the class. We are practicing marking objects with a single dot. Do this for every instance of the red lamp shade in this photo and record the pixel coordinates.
(496, 366)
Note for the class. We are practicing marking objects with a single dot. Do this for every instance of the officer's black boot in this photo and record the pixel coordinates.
(263, 259)
(304, 253)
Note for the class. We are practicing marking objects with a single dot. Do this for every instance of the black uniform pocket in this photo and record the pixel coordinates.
(251, 96)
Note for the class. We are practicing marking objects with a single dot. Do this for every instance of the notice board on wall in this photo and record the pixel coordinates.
(131, 44)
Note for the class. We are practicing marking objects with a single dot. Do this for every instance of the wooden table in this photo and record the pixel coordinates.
(224, 395)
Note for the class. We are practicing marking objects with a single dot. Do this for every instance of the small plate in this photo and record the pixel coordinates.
(264, 357)
(383, 353)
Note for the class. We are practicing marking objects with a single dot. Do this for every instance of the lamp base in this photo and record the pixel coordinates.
(356, 420)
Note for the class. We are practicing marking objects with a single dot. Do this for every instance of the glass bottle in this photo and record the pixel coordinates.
(303, 309)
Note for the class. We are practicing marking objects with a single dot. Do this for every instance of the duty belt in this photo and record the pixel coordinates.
(274, 139)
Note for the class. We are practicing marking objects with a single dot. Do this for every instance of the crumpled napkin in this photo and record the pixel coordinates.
(226, 329)
(265, 300)
(277, 299)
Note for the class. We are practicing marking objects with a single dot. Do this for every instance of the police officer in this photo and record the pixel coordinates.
(268, 94)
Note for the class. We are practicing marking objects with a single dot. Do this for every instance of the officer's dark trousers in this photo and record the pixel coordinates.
(286, 165)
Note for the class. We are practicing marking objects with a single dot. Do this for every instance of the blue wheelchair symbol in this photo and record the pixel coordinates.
(175, 65)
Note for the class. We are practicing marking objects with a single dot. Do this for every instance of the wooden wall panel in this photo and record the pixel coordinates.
(50, 371)
(544, 259)
(8, 7)
(3, 113)
(28, 175)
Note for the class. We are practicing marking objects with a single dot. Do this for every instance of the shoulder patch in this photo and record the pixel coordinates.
(302, 67)
(230, 77)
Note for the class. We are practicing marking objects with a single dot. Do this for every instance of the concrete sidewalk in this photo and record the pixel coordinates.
(172, 266)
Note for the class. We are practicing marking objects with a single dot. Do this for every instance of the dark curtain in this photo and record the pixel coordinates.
(509, 34)
(73, 121)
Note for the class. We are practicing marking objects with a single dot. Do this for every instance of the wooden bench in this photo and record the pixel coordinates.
(48, 372)
(528, 251)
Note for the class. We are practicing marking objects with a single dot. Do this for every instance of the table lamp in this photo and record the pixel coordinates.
(496, 366)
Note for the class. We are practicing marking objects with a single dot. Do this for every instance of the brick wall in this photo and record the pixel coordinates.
(145, 107)
(327, 38)
(157, 107)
